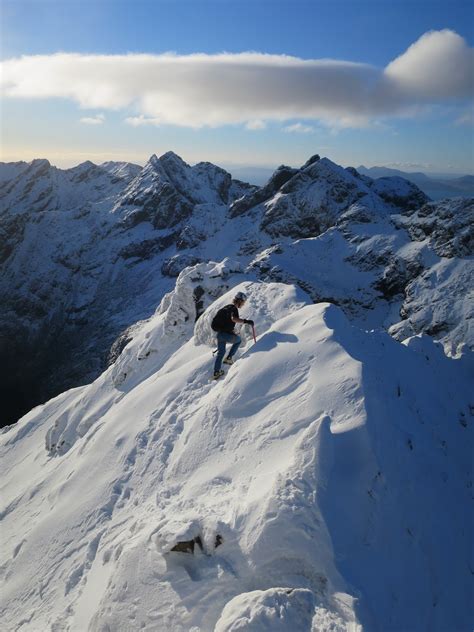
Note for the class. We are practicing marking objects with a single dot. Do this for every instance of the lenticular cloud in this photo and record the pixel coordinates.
(212, 90)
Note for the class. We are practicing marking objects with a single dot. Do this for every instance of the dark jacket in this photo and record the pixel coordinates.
(223, 319)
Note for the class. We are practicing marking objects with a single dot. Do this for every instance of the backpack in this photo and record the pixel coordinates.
(222, 319)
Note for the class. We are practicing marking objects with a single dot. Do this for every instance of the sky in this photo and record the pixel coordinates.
(243, 84)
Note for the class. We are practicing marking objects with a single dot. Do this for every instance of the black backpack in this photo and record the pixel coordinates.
(222, 319)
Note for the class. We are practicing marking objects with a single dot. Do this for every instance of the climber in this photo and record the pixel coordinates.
(223, 323)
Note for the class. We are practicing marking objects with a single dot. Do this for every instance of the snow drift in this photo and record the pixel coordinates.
(321, 485)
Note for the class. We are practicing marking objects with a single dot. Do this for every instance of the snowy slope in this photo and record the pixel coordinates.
(123, 170)
(326, 478)
(87, 252)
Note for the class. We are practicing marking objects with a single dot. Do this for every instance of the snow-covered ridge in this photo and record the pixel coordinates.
(320, 486)
(87, 252)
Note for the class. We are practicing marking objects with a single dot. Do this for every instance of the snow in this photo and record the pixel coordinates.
(272, 610)
(327, 477)
(441, 300)
(11, 170)
(321, 485)
(342, 237)
(123, 170)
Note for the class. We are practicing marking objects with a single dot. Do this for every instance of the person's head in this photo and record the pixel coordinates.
(239, 299)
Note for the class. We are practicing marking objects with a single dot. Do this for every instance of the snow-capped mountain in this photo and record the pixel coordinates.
(89, 251)
(321, 486)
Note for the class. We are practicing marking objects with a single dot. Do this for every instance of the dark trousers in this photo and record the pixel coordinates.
(224, 338)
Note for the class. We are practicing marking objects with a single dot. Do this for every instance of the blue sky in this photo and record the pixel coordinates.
(429, 128)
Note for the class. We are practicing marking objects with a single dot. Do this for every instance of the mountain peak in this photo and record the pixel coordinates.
(152, 159)
(166, 161)
(311, 161)
(171, 157)
(40, 163)
(86, 165)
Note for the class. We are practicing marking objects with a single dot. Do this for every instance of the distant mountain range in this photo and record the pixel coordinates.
(435, 188)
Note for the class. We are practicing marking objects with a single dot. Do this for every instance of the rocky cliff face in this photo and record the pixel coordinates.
(87, 252)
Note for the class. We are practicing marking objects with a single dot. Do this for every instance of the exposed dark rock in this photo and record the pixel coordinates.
(198, 293)
(436, 328)
(356, 214)
(311, 221)
(223, 188)
(295, 182)
(173, 266)
(189, 238)
(369, 260)
(449, 224)
(85, 172)
(396, 277)
(188, 546)
(250, 246)
(135, 217)
(353, 172)
(40, 167)
(278, 179)
(12, 229)
(147, 248)
(118, 346)
(164, 206)
(311, 161)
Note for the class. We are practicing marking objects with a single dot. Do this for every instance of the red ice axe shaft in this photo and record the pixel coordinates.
(254, 337)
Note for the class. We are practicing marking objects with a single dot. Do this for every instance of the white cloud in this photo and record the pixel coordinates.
(249, 88)
(137, 121)
(436, 67)
(255, 125)
(93, 120)
(299, 128)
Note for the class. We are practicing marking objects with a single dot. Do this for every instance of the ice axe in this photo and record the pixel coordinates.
(254, 336)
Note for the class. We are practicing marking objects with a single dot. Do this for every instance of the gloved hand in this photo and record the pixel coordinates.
(249, 322)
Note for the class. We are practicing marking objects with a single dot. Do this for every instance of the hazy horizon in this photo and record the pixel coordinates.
(260, 171)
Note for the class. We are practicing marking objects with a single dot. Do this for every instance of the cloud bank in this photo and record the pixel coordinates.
(213, 90)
